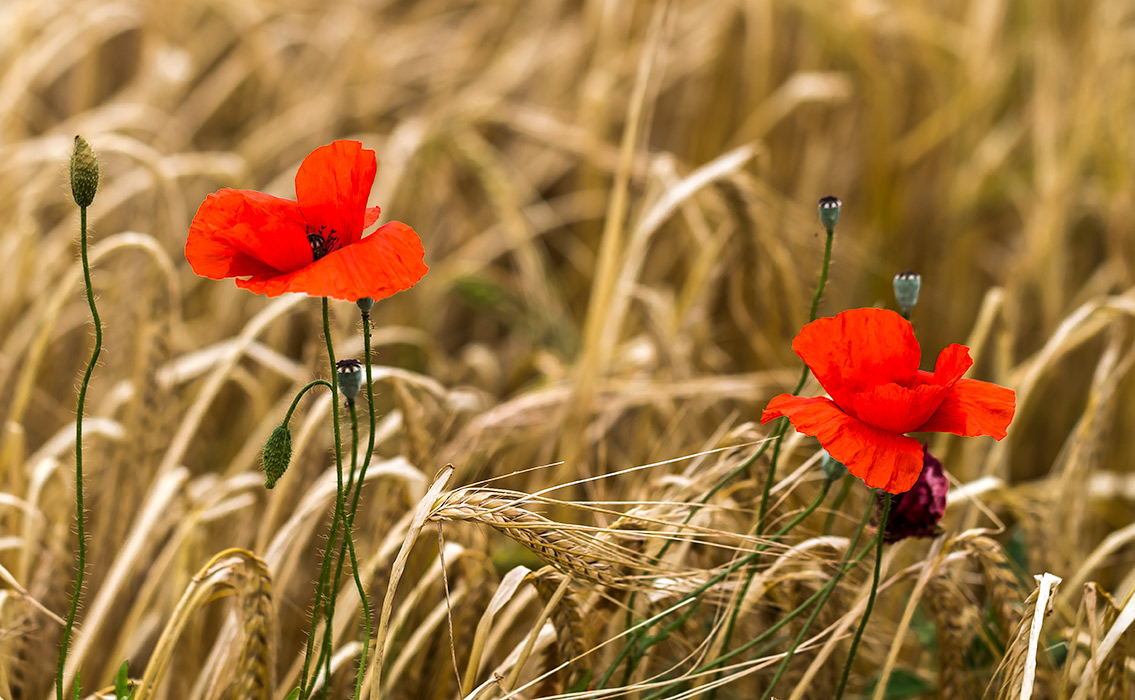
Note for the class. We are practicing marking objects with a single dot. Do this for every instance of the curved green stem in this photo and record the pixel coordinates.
(692, 596)
(783, 427)
(827, 591)
(325, 568)
(879, 537)
(65, 644)
(846, 566)
(307, 387)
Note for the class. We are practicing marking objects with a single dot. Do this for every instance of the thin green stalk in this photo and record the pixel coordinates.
(325, 568)
(65, 644)
(871, 598)
(827, 591)
(783, 427)
(780, 429)
(358, 484)
(737, 565)
(354, 448)
(749, 579)
(340, 509)
(349, 546)
(846, 566)
(370, 411)
(307, 387)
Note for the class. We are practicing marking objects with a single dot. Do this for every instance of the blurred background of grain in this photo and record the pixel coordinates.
(988, 145)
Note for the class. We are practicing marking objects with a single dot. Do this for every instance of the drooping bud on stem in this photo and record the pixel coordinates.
(907, 285)
(829, 211)
(84, 173)
(350, 378)
(277, 454)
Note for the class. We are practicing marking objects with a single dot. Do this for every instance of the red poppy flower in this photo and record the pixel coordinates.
(312, 244)
(867, 360)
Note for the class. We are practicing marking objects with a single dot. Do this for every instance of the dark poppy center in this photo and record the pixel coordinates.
(322, 241)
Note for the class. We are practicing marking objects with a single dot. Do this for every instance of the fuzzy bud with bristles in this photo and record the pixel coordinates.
(350, 378)
(829, 211)
(277, 454)
(907, 285)
(84, 173)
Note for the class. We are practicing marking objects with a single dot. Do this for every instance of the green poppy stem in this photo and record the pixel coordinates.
(322, 591)
(879, 538)
(827, 591)
(692, 596)
(781, 427)
(69, 625)
(783, 422)
(846, 566)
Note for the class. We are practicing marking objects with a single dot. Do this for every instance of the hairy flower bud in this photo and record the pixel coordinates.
(829, 211)
(277, 454)
(350, 378)
(907, 285)
(84, 173)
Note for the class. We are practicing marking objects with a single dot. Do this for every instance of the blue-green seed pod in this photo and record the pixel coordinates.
(365, 304)
(829, 211)
(277, 454)
(833, 470)
(84, 173)
(907, 285)
(350, 378)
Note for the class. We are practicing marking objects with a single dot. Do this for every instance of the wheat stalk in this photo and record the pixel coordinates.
(953, 616)
(565, 549)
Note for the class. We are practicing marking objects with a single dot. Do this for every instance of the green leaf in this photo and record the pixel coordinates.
(294, 695)
(122, 682)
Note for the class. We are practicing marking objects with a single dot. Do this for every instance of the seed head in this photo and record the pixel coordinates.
(829, 211)
(907, 285)
(350, 378)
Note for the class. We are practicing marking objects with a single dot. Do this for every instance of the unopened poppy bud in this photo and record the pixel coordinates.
(907, 285)
(833, 469)
(916, 513)
(365, 304)
(277, 454)
(84, 172)
(829, 211)
(350, 378)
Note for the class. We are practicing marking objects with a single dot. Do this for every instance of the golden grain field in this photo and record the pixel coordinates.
(617, 200)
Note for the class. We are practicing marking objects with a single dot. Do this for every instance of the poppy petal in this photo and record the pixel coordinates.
(952, 363)
(881, 458)
(332, 187)
(973, 408)
(370, 216)
(380, 265)
(896, 408)
(243, 232)
(858, 349)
